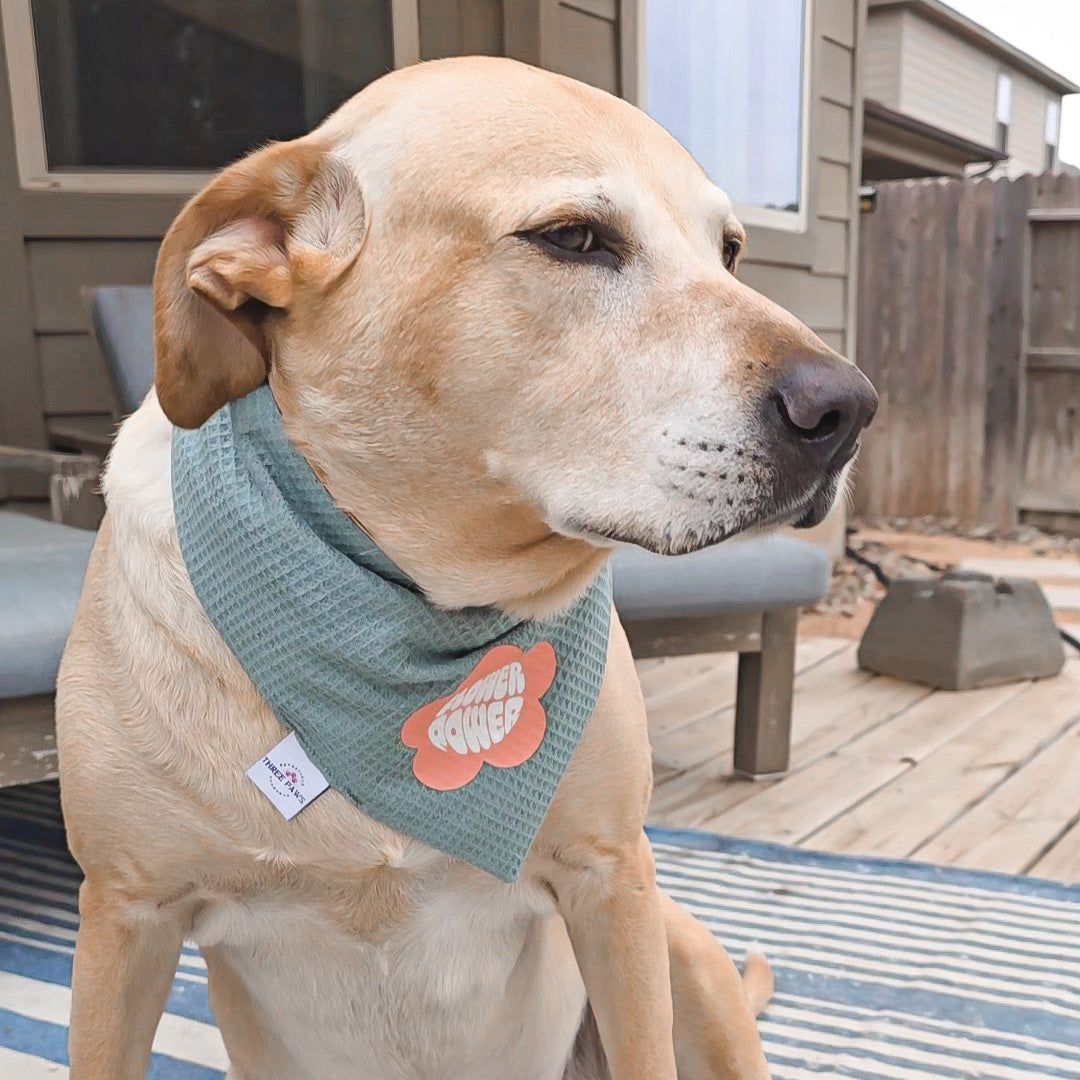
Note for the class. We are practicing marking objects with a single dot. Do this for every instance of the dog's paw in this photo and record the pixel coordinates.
(757, 979)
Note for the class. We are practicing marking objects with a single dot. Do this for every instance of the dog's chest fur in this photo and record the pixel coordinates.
(460, 989)
(339, 948)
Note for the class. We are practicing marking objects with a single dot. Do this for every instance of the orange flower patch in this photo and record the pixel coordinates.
(495, 716)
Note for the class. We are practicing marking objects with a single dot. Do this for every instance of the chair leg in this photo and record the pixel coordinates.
(763, 699)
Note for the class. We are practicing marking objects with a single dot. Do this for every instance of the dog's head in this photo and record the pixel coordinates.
(500, 314)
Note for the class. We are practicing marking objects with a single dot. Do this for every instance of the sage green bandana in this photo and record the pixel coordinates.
(452, 726)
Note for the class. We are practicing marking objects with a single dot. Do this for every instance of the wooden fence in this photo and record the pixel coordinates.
(969, 326)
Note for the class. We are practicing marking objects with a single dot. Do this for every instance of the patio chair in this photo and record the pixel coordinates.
(744, 597)
(42, 564)
(122, 324)
(122, 317)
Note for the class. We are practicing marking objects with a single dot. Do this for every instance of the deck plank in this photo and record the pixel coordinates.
(879, 767)
(1062, 861)
(792, 809)
(693, 700)
(695, 725)
(674, 672)
(701, 751)
(1019, 819)
(690, 689)
(830, 718)
(901, 817)
(834, 703)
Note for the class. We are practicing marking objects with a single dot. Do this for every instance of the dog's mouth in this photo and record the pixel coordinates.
(820, 503)
(803, 510)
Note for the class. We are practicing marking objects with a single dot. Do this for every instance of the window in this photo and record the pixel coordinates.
(728, 78)
(1003, 114)
(1052, 133)
(116, 94)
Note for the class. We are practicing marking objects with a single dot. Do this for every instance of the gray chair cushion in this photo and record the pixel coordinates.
(123, 317)
(739, 576)
(41, 572)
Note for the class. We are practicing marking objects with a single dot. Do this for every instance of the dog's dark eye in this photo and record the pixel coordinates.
(731, 253)
(578, 238)
(579, 242)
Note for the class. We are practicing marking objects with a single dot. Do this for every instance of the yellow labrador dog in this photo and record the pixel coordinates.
(499, 315)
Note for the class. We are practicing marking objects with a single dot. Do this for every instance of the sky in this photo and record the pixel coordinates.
(1048, 30)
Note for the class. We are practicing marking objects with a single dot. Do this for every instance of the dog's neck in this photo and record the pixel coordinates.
(466, 539)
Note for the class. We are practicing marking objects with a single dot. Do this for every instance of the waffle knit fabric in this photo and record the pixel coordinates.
(345, 649)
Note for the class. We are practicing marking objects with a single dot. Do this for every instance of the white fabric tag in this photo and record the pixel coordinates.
(288, 777)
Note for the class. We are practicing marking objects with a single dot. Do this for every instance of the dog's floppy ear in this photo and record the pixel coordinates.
(286, 219)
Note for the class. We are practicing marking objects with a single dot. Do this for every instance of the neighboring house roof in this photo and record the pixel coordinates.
(977, 35)
(897, 145)
(973, 151)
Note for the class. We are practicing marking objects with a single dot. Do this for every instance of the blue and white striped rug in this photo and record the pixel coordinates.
(885, 970)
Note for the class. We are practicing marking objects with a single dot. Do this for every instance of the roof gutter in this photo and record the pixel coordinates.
(974, 151)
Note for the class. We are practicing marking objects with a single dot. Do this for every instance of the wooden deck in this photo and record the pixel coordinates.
(986, 779)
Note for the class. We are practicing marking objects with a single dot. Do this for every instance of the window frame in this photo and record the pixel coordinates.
(1050, 146)
(1003, 128)
(29, 122)
(793, 222)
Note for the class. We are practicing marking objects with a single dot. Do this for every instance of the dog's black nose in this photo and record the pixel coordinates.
(823, 403)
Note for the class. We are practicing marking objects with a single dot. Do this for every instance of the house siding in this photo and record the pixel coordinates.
(920, 68)
(580, 38)
(946, 81)
(881, 58)
(73, 379)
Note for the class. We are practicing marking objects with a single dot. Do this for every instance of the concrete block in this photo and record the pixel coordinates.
(962, 631)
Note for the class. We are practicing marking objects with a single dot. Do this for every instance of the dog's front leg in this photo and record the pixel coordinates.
(612, 909)
(125, 960)
(716, 1035)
